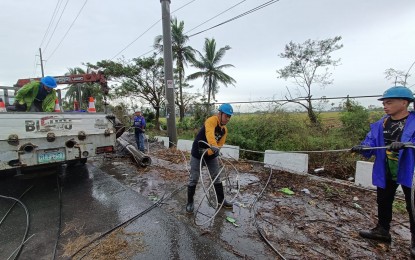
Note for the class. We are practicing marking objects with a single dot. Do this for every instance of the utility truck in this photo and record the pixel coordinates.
(44, 139)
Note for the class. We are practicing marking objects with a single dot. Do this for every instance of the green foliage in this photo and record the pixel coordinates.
(309, 65)
(399, 207)
(210, 69)
(355, 120)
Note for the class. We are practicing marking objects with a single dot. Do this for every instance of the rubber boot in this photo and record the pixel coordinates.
(377, 233)
(221, 196)
(190, 193)
(413, 246)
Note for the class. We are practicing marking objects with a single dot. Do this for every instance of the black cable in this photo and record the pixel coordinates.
(59, 44)
(260, 230)
(54, 29)
(227, 21)
(51, 21)
(154, 24)
(215, 16)
(129, 221)
(238, 16)
(60, 215)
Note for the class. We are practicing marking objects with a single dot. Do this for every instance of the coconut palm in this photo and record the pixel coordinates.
(181, 55)
(210, 70)
(82, 91)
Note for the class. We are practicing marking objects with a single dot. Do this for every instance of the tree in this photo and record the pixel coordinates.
(210, 70)
(141, 78)
(82, 92)
(398, 76)
(181, 54)
(309, 65)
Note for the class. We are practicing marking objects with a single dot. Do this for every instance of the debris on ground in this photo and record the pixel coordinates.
(320, 222)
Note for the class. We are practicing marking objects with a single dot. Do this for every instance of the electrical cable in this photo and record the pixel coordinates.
(215, 16)
(20, 247)
(207, 190)
(56, 25)
(60, 215)
(259, 229)
(66, 33)
(51, 21)
(227, 21)
(132, 219)
(148, 29)
(12, 206)
(238, 16)
(297, 99)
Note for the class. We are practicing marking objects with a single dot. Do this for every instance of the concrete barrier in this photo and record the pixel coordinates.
(163, 139)
(184, 145)
(291, 162)
(230, 151)
(363, 176)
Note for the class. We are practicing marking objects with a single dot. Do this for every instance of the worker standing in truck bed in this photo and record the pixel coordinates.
(37, 96)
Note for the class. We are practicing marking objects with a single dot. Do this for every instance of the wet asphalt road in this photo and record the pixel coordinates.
(92, 202)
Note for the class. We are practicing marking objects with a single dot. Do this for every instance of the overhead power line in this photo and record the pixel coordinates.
(73, 22)
(148, 29)
(227, 21)
(238, 16)
(56, 25)
(297, 99)
(51, 21)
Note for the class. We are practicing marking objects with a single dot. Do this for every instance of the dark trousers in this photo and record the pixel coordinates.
(385, 198)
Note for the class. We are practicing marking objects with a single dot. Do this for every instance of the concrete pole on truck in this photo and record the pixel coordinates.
(168, 72)
(41, 62)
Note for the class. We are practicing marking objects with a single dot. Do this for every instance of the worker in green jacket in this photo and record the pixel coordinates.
(37, 96)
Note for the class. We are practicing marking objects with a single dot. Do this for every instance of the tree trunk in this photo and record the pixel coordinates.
(208, 100)
(311, 114)
(157, 124)
(181, 103)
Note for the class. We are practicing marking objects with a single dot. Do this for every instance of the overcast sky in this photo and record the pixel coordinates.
(377, 35)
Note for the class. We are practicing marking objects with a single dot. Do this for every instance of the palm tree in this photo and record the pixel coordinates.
(82, 91)
(181, 54)
(210, 70)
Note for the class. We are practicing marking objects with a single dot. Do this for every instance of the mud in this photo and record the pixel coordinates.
(320, 220)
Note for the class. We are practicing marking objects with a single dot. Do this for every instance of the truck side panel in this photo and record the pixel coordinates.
(30, 139)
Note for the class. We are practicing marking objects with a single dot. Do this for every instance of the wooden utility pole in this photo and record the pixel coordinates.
(168, 72)
(41, 62)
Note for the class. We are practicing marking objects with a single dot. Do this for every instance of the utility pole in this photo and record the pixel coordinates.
(41, 62)
(168, 72)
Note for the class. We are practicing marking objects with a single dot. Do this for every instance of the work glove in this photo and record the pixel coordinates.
(358, 148)
(396, 146)
(20, 107)
(214, 149)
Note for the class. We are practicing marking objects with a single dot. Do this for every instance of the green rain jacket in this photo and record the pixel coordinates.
(28, 92)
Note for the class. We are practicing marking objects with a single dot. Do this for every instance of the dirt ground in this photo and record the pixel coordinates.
(320, 220)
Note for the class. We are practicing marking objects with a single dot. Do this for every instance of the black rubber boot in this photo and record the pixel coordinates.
(190, 193)
(413, 246)
(377, 233)
(221, 196)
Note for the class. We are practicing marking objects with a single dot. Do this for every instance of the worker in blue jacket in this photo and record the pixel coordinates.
(139, 125)
(393, 166)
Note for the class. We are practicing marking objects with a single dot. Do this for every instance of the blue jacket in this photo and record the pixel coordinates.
(139, 124)
(406, 156)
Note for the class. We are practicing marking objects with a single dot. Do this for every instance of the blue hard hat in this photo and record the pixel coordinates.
(49, 82)
(226, 108)
(398, 92)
